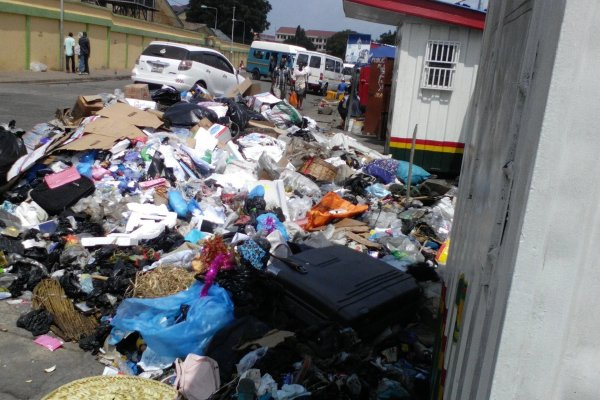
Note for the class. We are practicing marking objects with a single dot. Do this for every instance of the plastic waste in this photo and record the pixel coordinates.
(11, 149)
(178, 204)
(250, 359)
(418, 174)
(268, 168)
(38, 67)
(298, 207)
(378, 190)
(297, 182)
(157, 320)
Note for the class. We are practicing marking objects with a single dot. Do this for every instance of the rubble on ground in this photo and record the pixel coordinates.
(150, 230)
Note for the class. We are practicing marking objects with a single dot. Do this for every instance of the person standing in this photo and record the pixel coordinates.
(70, 52)
(301, 86)
(85, 51)
(281, 77)
(78, 54)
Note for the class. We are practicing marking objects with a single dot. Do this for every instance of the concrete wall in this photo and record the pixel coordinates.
(33, 30)
(526, 224)
(440, 114)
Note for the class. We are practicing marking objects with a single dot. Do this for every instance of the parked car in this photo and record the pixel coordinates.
(325, 70)
(182, 66)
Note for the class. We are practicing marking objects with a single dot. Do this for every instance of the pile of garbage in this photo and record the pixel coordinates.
(152, 232)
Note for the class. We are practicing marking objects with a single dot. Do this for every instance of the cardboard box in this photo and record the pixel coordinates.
(246, 88)
(221, 133)
(86, 106)
(138, 91)
(204, 123)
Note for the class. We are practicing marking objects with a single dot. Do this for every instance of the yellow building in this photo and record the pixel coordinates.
(31, 33)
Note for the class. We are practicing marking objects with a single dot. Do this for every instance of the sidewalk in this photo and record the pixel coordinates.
(62, 77)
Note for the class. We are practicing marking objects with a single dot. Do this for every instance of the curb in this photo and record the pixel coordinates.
(64, 80)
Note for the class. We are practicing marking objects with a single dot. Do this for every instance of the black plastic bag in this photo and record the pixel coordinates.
(237, 112)
(188, 114)
(37, 322)
(11, 149)
(166, 96)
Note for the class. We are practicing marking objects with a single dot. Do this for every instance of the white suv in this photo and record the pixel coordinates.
(182, 66)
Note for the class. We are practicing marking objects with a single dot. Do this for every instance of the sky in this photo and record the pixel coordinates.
(325, 15)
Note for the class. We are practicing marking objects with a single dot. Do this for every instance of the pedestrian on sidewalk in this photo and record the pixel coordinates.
(70, 52)
(85, 51)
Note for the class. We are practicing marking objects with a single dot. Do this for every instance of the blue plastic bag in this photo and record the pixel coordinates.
(155, 320)
(418, 174)
(269, 222)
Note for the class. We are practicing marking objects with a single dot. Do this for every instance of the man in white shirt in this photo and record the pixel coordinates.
(70, 52)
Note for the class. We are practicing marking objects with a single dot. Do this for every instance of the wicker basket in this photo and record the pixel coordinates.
(113, 388)
(319, 169)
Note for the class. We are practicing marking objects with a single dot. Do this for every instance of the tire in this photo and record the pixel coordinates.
(256, 75)
(201, 83)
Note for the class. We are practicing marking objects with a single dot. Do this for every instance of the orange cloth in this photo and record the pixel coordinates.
(331, 207)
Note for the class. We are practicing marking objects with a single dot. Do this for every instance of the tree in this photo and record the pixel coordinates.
(252, 12)
(336, 44)
(300, 39)
(388, 38)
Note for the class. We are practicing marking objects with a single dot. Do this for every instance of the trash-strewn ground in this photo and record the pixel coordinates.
(189, 206)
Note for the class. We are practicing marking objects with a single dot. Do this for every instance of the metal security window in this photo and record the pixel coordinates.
(440, 65)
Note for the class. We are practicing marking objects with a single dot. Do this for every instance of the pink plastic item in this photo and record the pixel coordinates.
(62, 178)
(48, 342)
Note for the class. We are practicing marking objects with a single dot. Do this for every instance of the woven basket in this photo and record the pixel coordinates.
(113, 388)
(319, 169)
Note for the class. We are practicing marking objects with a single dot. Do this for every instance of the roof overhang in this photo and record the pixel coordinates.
(391, 12)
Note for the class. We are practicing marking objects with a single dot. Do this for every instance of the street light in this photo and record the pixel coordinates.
(244, 32)
(216, 13)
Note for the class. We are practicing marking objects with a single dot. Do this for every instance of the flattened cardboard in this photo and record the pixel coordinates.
(102, 133)
(239, 89)
(131, 115)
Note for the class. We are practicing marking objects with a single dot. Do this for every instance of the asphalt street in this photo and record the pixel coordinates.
(32, 103)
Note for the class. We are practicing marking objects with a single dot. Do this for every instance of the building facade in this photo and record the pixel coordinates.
(437, 58)
(32, 34)
(317, 37)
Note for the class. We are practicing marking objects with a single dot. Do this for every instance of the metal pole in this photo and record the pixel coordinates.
(232, 27)
(410, 163)
(216, 16)
(62, 35)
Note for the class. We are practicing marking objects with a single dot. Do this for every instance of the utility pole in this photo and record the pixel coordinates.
(232, 27)
(62, 35)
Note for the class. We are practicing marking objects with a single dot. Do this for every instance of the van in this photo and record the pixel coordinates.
(260, 54)
(325, 70)
(182, 66)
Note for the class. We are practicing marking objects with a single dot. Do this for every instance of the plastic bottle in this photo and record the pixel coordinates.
(295, 181)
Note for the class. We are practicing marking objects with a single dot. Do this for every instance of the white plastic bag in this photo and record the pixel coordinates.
(38, 67)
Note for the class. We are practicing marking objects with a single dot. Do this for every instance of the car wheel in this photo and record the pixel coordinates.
(256, 75)
(201, 84)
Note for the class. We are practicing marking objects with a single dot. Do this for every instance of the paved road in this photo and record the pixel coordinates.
(33, 103)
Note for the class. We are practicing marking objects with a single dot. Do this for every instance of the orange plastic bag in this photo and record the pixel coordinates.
(293, 99)
(331, 207)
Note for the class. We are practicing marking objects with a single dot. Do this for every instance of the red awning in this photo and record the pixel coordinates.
(389, 11)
